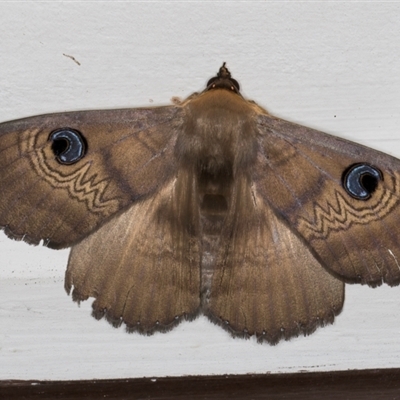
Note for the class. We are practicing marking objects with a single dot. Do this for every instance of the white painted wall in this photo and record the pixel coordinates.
(330, 65)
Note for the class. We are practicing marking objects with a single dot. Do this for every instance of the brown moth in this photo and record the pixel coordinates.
(209, 206)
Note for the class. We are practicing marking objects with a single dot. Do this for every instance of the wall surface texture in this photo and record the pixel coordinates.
(333, 66)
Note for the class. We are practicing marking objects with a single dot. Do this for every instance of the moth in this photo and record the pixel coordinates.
(210, 206)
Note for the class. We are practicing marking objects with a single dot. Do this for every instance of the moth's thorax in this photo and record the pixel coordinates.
(218, 141)
(219, 132)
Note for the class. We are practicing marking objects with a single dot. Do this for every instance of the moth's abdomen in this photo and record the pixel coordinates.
(214, 190)
(213, 211)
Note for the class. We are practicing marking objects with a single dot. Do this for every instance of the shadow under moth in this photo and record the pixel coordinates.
(209, 206)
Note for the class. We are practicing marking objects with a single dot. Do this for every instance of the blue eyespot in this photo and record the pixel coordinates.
(361, 180)
(68, 145)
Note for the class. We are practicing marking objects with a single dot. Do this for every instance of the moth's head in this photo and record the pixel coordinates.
(223, 80)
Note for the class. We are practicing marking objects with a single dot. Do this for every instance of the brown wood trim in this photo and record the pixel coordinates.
(362, 385)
